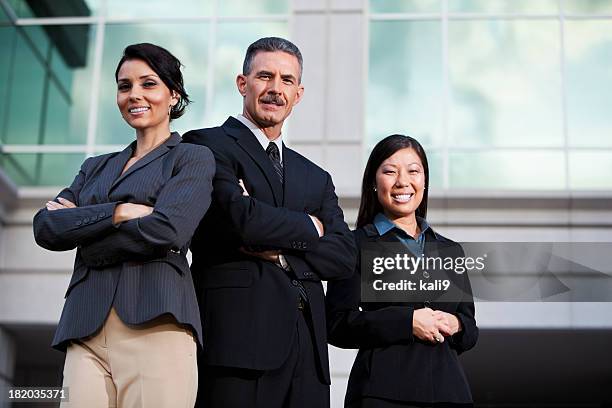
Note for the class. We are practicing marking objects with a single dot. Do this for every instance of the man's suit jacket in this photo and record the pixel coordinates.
(392, 363)
(139, 266)
(249, 306)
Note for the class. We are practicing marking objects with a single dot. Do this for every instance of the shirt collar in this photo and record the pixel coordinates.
(261, 136)
(384, 224)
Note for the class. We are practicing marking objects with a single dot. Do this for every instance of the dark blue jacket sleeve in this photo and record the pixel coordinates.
(336, 253)
(256, 223)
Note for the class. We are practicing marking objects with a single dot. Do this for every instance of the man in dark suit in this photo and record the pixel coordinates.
(273, 233)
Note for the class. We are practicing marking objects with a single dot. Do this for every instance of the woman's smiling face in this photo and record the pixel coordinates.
(142, 97)
(400, 183)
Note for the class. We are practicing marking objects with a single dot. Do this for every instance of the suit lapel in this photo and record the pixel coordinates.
(295, 172)
(160, 150)
(249, 143)
(115, 165)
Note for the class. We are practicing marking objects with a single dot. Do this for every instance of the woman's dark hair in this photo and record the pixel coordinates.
(165, 65)
(370, 206)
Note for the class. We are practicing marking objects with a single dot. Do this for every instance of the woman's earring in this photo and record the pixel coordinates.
(169, 110)
(375, 188)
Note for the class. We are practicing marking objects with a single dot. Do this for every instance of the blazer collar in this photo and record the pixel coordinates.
(434, 243)
(123, 157)
(249, 143)
(372, 232)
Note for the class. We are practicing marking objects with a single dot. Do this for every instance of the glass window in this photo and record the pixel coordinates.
(232, 41)
(140, 9)
(405, 87)
(587, 6)
(26, 85)
(42, 169)
(39, 99)
(64, 8)
(252, 7)
(62, 73)
(588, 82)
(57, 118)
(37, 37)
(7, 42)
(505, 83)
(503, 6)
(187, 41)
(590, 170)
(71, 88)
(435, 160)
(405, 6)
(4, 19)
(507, 170)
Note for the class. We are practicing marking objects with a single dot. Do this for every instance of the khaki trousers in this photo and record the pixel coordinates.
(149, 365)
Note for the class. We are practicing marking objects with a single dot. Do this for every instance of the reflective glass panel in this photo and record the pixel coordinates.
(62, 73)
(435, 159)
(233, 40)
(37, 37)
(505, 83)
(26, 86)
(503, 6)
(405, 6)
(42, 94)
(590, 170)
(405, 87)
(504, 170)
(587, 6)
(7, 43)
(63, 8)
(57, 118)
(175, 8)
(253, 7)
(186, 41)
(48, 169)
(588, 67)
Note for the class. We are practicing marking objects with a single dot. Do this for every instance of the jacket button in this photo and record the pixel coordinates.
(426, 274)
(294, 282)
(86, 220)
(78, 223)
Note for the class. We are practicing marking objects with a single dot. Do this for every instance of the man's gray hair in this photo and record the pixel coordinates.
(271, 44)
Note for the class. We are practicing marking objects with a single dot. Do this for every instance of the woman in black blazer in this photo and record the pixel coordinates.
(130, 321)
(407, 350)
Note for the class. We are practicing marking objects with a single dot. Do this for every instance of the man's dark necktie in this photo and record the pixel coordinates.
(274, 155)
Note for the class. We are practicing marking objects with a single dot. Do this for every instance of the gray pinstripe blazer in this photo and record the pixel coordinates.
(139, 266)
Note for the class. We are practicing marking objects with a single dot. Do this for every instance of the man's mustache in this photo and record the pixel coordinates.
(275, 99)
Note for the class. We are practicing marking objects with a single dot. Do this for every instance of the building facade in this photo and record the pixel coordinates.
(509, 98)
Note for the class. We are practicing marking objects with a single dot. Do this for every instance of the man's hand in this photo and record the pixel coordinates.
(129, 211)
(318, 225)
(244, 190)
(270, 255)
(63, 203)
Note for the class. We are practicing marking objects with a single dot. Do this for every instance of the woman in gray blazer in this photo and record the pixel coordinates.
(130, 322)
